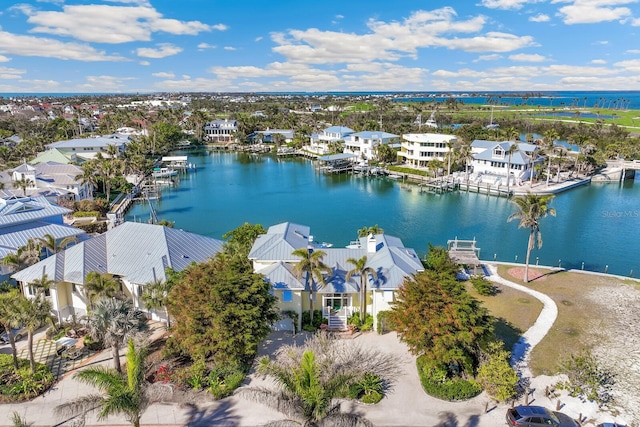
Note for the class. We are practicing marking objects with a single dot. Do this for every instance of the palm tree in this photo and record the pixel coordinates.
(450, 156)
(532, 208)
(512, 149)
(127, 394)
(113, 322)
(34, 312)
(374, 229)
(549, 138)
(88, 176)
(23, 183)
(10, 317)
(306, 394)
(98, 285)
(311, 267)
(465, 154)
(51, 244)
(154, 296)
(25, 256)
(360, 269)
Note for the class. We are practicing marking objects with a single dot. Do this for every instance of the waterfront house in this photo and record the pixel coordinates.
(491, 160)
(319, 143)
(88, 148)
(221, 131)
(271, 256)
(53, 180)
(269, 136)
(364, 144)
(418, 149)
(24, 218)
(135, 253)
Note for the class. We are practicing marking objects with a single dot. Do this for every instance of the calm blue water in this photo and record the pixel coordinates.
(596, 224)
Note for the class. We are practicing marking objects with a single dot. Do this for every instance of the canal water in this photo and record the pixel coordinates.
(597, 224)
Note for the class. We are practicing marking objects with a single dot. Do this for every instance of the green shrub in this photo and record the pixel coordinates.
(224, 379)
(21, 384)
(93, 227)
(586, 378)
(483, 286)
(383, 325)
(372, 398)
(437, 382)
(367, 325)
(87, 214)
(92, 344)
(315, 324)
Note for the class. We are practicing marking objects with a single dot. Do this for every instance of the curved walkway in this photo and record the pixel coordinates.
(522, 349)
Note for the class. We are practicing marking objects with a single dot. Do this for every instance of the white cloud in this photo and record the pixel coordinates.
(229, 48)
(50, 48)
(602, 42)
(10, 73)
(633, 51)
(163, 50)
(593, 11)
(524, 57)
(576, 70)
(4, 58)
(630, 66)
(635, 22)
(257, 39)
(541, 17)
(506, 4)
(144, 63)
(220, 27)
(109, 24)
(599, 61)
(492, 57)
(105, 83)
(390, 41)
(164, 75)
(203, 46)
(339, 16)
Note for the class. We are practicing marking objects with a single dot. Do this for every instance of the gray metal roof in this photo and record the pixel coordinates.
(101, 141)
(281, 276)
(136, 252)
(24, 209)
(12, 238)
(339, 156)
(391, 260)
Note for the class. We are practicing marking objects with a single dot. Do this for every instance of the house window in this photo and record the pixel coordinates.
(387, 296)
(287, 296)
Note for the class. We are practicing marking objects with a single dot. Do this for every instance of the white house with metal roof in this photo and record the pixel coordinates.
(53, 180)
(221, 130)
(418, 149)
(319, 142)
(25, 218)
(491, 161)
(135, 253)
(88, 148)
(271, 255)
(269, 136)
(363, 144)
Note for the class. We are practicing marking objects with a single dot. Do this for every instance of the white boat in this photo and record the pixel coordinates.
(163, 172)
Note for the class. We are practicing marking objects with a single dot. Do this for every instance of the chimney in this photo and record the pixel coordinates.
(371, 244)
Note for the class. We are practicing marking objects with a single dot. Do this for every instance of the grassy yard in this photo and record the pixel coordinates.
(580, 321)
(515, 312)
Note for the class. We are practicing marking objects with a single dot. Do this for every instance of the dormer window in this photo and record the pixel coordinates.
(498, 152)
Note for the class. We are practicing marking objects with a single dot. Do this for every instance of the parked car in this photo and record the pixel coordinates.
(609, 425)
(18, 334)
(538, 416)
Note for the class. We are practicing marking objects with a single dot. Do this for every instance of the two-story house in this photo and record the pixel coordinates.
(492, 162)
(418, 149)
(88, 148)
(221, 131)
(364, 144)
(319, 143)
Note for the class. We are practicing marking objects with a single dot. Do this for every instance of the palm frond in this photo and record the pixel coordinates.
(103, 378)
(274, 399)
(341, 419)
(78, 406)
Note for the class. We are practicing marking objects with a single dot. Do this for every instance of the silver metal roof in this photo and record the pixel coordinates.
(24, 209)
(139, 253)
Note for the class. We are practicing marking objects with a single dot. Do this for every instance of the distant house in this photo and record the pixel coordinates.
(88, 148)
(491, 159)
(221, 131)
(24, 218)
(319, 142)
(363, 144)
(268, 136)
(53, 180)
(272, 257)
(418, 149)
(135, 253)
(55, 155)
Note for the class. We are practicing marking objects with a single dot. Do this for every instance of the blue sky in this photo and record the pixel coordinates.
(329, 45)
